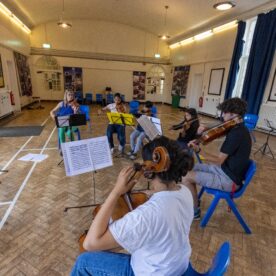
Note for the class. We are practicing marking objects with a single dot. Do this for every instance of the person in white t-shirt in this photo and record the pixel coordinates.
(117, 106)
(156, 234)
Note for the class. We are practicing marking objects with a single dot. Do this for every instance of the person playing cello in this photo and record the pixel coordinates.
(227, 170)
(156, 233)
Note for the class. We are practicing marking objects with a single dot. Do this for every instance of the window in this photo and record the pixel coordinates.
(248, 37)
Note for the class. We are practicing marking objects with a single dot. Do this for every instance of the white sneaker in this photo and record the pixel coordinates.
(112, 150)
(120, 148)
(130, 153)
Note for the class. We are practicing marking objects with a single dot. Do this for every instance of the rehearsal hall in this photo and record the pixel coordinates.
(138, 137)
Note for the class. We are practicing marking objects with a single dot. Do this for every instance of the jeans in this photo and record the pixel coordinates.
(62, 131)
(140, 137)
(102, 263)
(120, 130)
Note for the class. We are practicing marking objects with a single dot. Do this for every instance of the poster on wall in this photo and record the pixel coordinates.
(216, 81)
(73, 78)
(139, 81)
(180, 80)
(2, 84)
(24, 74)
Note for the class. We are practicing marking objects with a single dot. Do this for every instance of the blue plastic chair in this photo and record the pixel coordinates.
(250, 121)
(228, 196)
(88, 98)
(109, 98)
(133, 107)
(79, 97)
(154, 111)
(219, 265)
(123, 97)
(84, 109)
(99, 98)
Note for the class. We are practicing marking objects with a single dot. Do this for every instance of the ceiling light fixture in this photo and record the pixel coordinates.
(186, 41)
(46, 44)
(63, 23)
(223, 6)
(203, 35)
(166, 35)
(225, 27)
(13, 18)
(157, 55)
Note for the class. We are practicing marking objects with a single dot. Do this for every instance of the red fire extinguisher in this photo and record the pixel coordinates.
(200, 101)
(12, 98)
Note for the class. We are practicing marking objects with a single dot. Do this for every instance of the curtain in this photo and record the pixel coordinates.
(234, 67)
(260, 61)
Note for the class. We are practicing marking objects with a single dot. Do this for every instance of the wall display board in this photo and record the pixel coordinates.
(272, 94)
(73, 78)
(2, 83)
(139, 84)
(24, 74)
(180, 80)
(215, 81)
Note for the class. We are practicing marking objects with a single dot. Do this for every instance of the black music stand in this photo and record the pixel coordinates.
(265, 146)
(72, 120)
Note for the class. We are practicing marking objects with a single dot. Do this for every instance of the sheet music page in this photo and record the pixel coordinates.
(63, 121)
(86, 155)
(149, 127)
(157, 123)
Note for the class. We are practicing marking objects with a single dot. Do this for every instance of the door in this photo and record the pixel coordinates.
(196, 90)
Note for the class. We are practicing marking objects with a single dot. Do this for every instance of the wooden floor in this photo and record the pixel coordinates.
(38, 238)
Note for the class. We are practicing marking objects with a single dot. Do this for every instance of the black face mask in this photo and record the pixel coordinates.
(220, 116)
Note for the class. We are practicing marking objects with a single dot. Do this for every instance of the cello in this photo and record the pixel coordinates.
(131, 200)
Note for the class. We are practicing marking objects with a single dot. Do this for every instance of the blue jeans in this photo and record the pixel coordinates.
(120, 130)
(140, 135)
(102, 263)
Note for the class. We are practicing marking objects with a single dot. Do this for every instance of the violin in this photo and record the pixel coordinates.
(74, 104)
(120, 107)
(218, 131)
(131, 200)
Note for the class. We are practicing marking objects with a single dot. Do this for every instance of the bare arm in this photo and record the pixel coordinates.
(99, 237)
(54, 110)
(217, 159)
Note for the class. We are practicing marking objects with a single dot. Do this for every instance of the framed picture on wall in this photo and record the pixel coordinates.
(2, 83)
(272, 94)
(215, 81)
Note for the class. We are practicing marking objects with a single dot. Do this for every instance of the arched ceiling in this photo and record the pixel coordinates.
(183, 16)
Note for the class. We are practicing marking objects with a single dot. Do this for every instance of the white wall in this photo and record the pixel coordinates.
(210, 53)
(12, 38)
(100, 37)
(97, 75)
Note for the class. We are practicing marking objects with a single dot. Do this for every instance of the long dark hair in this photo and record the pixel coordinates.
(181, 161)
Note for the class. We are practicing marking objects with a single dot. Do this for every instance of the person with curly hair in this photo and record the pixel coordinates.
(226, 170)
(156, 234)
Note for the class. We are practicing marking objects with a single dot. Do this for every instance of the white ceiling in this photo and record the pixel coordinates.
(183, 16)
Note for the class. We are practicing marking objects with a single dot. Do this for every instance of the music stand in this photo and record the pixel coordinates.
(265, 146)
(72, 120)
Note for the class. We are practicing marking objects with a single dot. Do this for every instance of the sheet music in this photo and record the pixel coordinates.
(157, 123)
(86, 155)
(63, 121)
(149, 127)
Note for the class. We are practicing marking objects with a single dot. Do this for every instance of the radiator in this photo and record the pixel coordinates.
(5, 104)
(267, 112)
(209, 106)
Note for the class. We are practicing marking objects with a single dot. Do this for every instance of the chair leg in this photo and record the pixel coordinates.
(234, 208)
(201, 192)
(210, 211)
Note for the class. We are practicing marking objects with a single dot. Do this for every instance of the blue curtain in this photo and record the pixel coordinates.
(234, 67)
(260, 60)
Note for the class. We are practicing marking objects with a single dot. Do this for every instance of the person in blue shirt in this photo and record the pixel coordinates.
(68, 106)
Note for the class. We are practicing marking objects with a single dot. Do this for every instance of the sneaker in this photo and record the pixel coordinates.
(112, 150)
(120, 148)
(130, 153)
(197, 213)
(133, 156)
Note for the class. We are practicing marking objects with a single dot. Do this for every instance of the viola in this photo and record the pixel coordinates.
(131, 200)
(217, 131)
(74, 104)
